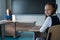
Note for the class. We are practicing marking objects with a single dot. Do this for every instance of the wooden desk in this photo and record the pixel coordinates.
(28, 28)
(31, 29)
(2, 31)
(2, 25)
(24, 28)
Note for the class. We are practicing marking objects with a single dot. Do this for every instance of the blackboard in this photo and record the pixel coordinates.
(29, 6)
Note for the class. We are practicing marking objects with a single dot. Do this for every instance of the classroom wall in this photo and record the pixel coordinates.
(8, 4)
(58, 3)
(39, 19)
(2, 8)
(58, 8)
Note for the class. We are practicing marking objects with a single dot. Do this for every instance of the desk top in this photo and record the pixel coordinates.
(6, 21)
(32, 29)
(35, 29)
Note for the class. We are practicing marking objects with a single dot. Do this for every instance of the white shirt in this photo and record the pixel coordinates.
(47, 23)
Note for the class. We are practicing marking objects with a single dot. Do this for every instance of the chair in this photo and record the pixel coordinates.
(54, 33)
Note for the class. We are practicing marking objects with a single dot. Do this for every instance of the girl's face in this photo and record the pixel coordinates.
(8, 11)
(49, 10)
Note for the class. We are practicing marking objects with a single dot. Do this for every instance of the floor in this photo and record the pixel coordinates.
(23, 36)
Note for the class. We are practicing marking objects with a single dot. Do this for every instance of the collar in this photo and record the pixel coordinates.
(54, 15)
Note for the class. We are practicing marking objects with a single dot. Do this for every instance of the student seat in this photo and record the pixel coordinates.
(54, 33)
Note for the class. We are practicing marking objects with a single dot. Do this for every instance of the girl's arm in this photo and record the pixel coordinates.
(47, 23)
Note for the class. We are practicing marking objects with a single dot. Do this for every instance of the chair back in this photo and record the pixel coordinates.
(54, 33)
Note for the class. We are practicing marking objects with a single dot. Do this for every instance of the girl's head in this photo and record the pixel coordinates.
(8, 11)
(50, 9)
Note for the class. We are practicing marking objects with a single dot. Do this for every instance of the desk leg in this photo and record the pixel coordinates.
(15, 34)
(36, 34)
(15, 30)
(2, 31)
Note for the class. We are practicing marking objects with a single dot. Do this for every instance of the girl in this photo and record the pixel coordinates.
(51, 17)
(8, 15)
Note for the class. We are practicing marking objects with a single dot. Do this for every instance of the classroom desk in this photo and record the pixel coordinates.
(2, 25)
(31, 29)
(25, 28)
(2, 31)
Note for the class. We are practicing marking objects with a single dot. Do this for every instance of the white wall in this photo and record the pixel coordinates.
(58, 9)
(39, 19)
(58, 3)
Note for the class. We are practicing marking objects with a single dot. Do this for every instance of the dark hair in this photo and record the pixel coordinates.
(54, 5)
(9, 10)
